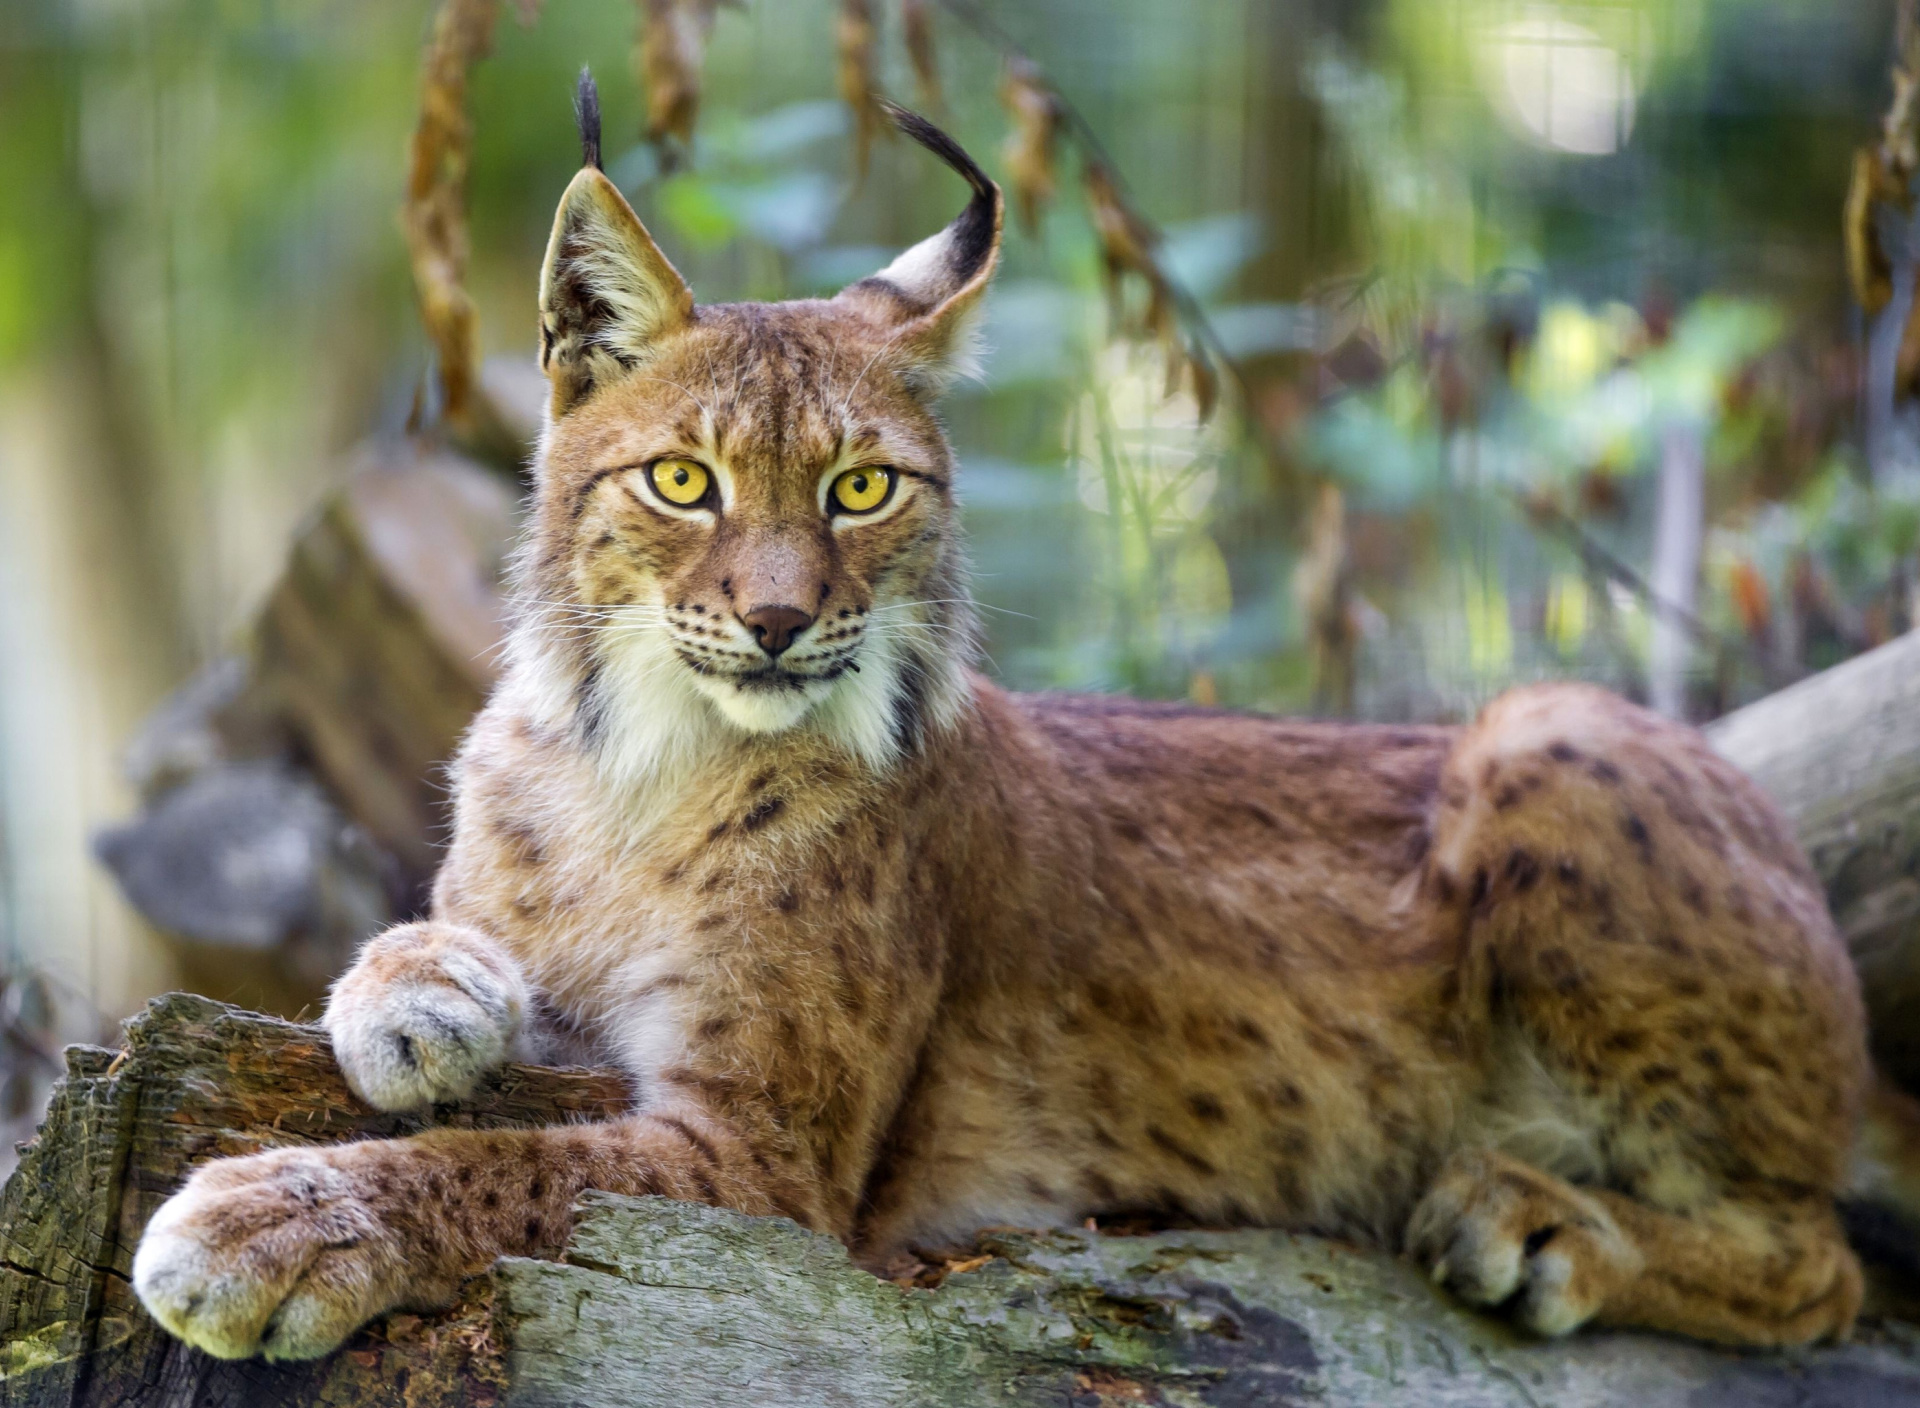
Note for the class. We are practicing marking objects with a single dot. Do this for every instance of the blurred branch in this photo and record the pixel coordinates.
(434, 216)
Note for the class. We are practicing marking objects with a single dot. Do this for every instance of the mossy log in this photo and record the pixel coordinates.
(663, 1303)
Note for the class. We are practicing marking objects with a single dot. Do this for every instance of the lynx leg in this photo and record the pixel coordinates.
(1674, 1041)
(1498, 1232)
(284, 1254)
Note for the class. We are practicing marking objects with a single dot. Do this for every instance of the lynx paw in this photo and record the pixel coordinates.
(275, 1255)
(425, 1011)
(1496, 1232)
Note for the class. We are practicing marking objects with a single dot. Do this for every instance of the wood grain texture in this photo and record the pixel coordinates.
(665, 1303)
(197, 1080)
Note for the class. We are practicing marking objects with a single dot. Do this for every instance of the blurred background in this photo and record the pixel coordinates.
(1353, 357)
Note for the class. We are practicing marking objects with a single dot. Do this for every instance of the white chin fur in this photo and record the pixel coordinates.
(660, 718)
(760, 710)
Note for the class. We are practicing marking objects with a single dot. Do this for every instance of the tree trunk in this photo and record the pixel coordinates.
(679, 1305)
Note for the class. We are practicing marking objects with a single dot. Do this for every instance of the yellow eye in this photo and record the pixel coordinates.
(863, 490)
(681, 482)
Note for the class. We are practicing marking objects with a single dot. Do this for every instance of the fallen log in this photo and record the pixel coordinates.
(663, 1303)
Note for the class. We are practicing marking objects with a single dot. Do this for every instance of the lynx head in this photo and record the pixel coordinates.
(744, 520)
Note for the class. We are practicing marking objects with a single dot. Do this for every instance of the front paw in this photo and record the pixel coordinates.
(275, 1255)
(426, 1010)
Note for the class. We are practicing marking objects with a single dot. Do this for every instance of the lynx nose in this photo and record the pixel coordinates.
(776, 626)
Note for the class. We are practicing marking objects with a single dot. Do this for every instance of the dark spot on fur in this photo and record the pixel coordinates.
(1205, 1107)
(1522, 870)
(1695, 895)
(1180, 1151)
(1563, 752)
(762, 812)
(717, 830)
(1635, 830)
(1605, 772)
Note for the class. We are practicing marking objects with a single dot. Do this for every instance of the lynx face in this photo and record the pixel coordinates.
(745, 516)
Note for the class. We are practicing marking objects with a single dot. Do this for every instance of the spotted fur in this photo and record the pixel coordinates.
(1553, 1000)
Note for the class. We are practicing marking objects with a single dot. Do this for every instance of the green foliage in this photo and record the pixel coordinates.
(1451, 303)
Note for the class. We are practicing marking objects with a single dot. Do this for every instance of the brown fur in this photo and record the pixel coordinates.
(1553, 999)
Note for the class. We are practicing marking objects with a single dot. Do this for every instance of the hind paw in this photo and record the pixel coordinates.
(1498, 1233)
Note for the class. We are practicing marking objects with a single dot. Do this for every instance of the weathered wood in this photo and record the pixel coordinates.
(1840, 752)
(381, 640)
(195, 1081)
(664, 1303)
(294, 794)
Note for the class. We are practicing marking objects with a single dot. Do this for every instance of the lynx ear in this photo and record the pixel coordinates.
(607, 293)
(927, 300)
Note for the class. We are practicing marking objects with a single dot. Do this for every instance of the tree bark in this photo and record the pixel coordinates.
(678, 1305)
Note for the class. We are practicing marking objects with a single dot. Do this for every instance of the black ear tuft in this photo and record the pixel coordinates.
(586, 111)
(977, 230)
(941, 145)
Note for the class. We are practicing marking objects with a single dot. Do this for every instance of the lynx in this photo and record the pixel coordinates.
(1550, 1002)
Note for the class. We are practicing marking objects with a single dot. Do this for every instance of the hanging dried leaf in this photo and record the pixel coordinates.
(916, 23)
(673, 42)
(1323, 586)
(1900, 127)
(1883, 174)
(1868, 270)
(1751, 600)
(857, 35)
(1033, 144)
(1126, 243)
(434, 212)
